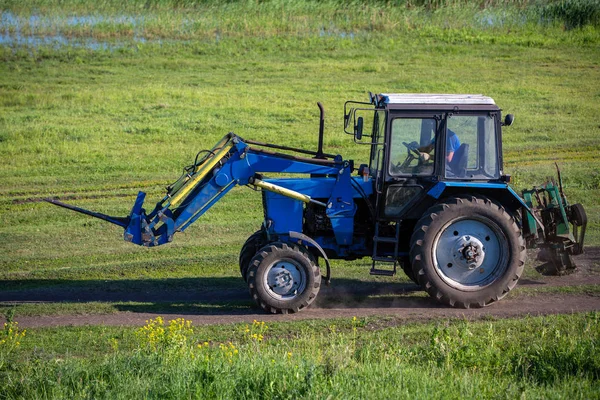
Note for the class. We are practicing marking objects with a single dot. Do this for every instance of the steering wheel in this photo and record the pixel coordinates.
(413, 147)
(413, 153)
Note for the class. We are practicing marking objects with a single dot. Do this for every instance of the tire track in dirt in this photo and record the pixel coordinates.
(402, 311)
(345, 298)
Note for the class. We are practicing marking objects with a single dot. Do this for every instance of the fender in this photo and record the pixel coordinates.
(441, 187)
(302, 236)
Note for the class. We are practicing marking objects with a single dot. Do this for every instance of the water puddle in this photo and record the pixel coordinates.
(35, 31)
(54, 41)
(499, 19)
(9, 20)
(337, 34)
(81, 31)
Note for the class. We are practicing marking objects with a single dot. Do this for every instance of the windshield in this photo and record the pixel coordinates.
(412, 146)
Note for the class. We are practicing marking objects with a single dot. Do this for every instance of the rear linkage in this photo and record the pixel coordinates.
(554, 226)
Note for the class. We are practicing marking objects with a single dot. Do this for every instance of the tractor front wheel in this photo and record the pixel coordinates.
(254, 243)
(467, 252)
(283, 278)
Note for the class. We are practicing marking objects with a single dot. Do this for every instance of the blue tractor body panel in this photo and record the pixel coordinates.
(473, 187)
(499, 191)
(286, 214)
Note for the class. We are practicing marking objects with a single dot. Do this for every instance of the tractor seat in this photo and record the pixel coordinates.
(458, 165)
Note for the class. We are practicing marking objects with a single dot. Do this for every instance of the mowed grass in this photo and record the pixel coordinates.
(375, 357)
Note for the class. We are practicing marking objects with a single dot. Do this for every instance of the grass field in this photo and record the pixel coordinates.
(543, 357)
(99, 100)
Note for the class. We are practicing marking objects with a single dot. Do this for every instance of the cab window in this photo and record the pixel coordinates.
(471, 147)
(412, 146)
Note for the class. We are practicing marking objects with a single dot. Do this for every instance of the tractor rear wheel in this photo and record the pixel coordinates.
(254, 243)
(283, 278)
(467, 252)
(578, 218)
(407, 268)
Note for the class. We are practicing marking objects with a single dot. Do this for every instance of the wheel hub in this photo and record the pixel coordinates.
(469, 252)
(284, 279)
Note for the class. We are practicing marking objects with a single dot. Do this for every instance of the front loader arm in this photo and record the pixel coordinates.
(229, 163)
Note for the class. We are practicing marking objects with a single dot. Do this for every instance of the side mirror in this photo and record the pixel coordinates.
(508, 120)
(358, 128)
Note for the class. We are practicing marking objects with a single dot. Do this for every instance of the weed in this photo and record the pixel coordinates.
(10, 314)
(255, 333)
(172, 339)
(10, 340)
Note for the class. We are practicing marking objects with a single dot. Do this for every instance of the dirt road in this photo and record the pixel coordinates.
(345, 298)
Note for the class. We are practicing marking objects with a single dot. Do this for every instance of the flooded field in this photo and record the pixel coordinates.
(79, 31)
(112, 30)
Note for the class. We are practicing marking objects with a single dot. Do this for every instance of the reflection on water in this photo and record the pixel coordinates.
(334, 33)
(8, 20)
(55, 41)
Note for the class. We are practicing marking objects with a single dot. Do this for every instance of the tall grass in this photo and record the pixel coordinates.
(532, 358)
(573, 13)
(201, 20)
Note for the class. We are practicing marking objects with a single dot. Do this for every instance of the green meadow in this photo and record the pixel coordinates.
(99, 100)
(358, 358)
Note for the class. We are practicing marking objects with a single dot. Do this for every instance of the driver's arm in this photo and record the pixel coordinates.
(426, 149)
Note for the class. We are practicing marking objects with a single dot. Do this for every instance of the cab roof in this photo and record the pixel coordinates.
(434, 101)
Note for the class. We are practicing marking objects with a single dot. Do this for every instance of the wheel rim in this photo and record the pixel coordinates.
(470, 253)
(285, 279)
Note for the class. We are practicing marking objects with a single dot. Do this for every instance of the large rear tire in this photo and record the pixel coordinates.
(283, 278)
(407, 268)
(254, 243)
(467, 252)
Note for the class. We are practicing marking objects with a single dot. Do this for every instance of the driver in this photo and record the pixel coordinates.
(452, 144)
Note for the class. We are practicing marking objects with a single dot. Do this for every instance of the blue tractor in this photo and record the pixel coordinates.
(433, 199)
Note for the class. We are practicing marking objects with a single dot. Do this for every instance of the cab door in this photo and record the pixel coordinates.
(410, 164)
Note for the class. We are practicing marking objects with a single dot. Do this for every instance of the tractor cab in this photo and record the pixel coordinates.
(418, 140)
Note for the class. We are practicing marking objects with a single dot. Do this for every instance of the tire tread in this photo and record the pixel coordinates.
(419, 242)
(304, 301)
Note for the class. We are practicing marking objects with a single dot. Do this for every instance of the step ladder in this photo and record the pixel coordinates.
(385, 259)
